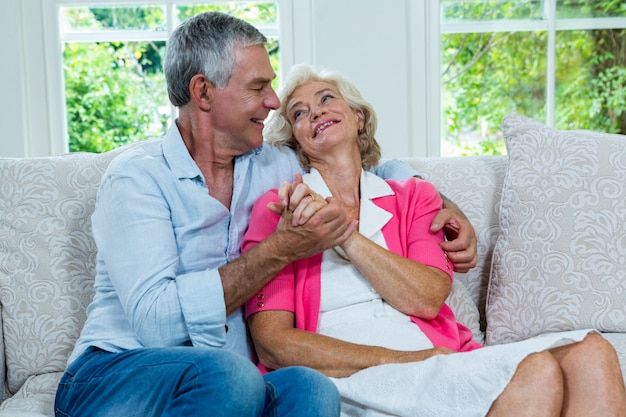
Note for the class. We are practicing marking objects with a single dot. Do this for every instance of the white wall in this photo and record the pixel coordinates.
(26, 105)
(11, 105)
(383, 47)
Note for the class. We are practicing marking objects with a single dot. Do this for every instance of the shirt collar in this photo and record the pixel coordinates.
(180, 161)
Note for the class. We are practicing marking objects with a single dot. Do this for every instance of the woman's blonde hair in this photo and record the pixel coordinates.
(278, 131)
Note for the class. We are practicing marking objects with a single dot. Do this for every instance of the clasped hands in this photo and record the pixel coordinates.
(319, 223)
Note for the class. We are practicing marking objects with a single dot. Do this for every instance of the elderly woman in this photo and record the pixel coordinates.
(371, 313)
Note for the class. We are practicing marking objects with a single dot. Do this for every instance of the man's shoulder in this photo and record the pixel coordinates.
(133, 153)
(268, 150)
(277, 157)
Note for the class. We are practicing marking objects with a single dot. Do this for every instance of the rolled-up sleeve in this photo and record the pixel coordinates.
(156, 246)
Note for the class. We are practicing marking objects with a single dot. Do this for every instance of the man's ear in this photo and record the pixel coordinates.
(201, 90)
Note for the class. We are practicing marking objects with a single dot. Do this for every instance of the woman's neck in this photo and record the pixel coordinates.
(343, 180)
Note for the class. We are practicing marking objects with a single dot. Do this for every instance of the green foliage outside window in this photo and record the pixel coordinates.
(112, 95)
(487, 75)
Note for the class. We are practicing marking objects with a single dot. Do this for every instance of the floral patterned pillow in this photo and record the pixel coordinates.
(560, 258)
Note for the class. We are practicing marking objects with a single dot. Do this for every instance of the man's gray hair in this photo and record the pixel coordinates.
(205, 44)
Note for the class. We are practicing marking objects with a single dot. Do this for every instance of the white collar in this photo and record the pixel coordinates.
(372, 217)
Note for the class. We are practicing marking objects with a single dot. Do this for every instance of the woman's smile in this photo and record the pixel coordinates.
(320, 127)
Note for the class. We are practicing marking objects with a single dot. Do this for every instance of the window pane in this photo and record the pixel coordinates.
(591, 80)
(590, 8)
(465, 10)
(484, 77)
(76, 19)
(115, 93)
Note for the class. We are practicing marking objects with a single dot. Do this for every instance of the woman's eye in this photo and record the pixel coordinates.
(297, 114)
(326, 98)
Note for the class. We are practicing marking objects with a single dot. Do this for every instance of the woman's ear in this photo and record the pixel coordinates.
(201, 90)
(361, 118)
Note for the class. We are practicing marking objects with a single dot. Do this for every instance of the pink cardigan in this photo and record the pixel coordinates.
(297, 287)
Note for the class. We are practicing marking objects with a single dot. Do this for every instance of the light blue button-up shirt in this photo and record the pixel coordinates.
(161, 239)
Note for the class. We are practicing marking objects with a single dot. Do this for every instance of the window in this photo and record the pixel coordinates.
(559, 61)
(112, 56)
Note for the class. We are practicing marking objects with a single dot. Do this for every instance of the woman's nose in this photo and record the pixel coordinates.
(317, 112)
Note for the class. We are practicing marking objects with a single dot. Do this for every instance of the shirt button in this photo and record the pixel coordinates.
(261, 304)
(260, 296)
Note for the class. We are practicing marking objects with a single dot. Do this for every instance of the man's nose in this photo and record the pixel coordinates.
(272, 101)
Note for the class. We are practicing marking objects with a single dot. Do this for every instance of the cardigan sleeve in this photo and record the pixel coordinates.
(278, 294)
(417, 202)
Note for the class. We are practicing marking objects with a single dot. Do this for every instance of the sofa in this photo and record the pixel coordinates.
(550, 219)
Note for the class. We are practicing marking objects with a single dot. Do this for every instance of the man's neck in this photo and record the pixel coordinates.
(219, 180)
(217, 169)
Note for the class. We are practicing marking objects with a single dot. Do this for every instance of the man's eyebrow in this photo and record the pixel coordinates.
(263, 80)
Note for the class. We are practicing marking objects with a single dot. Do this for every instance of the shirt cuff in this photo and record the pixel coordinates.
(201, 298)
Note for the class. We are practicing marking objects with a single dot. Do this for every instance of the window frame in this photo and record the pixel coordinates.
(550, 24)
(54, 40)
(42, 87)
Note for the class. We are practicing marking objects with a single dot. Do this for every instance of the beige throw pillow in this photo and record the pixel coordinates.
(560, 257)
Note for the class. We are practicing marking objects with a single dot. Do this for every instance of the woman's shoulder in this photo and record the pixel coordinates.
(412, 185)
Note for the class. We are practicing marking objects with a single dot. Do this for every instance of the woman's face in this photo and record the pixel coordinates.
(321, 119)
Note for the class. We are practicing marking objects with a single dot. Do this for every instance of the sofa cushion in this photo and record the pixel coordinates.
(559, 261)
(47, 258)
(474, 183)
(465, 310)
(34, 399)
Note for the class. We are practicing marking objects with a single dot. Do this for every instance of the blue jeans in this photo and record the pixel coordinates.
(188, 381)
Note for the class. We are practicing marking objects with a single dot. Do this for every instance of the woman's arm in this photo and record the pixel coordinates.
(461, 244)
(409, 286)
(279, 344)
(413, 274)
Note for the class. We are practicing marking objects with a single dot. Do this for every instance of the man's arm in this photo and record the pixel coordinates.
(327, 227)
(461, 244)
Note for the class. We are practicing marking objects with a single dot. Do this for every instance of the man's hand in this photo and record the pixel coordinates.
(461, 244)
(328, 226)
(311, 223)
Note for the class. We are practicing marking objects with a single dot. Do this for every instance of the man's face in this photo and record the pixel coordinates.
(239, 109)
